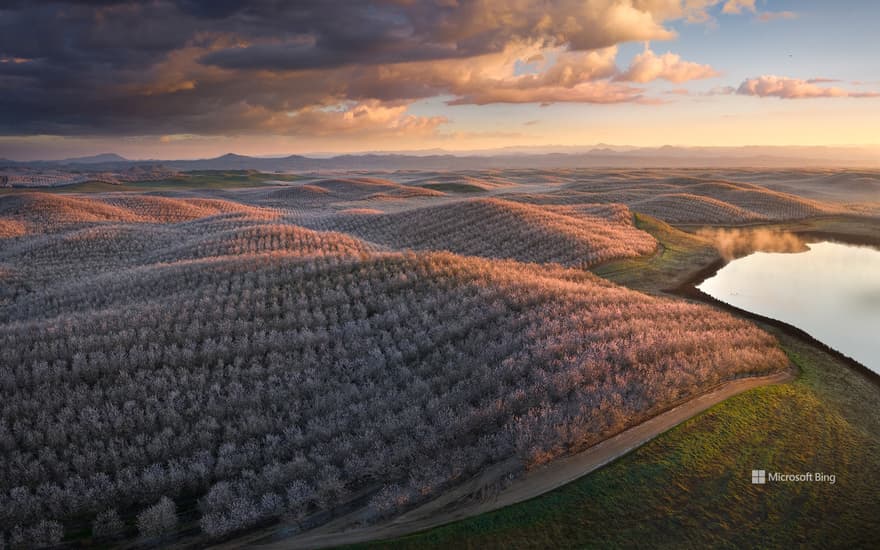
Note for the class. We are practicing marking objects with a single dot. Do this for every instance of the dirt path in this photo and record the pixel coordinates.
(460, 503)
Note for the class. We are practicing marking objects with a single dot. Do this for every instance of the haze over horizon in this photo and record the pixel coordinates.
(180, 79)
(854, 156)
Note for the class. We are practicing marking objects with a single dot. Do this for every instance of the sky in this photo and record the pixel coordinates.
(196, 79)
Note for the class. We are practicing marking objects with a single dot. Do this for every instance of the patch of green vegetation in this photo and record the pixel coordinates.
(207, 179)
(454, 187)
(673, 262)
(692, 487)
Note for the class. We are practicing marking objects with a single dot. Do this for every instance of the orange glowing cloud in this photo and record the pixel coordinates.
(648, 66)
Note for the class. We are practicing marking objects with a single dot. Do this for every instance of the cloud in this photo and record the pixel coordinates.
(171, 138)
(14, 60)
(375, 33)
(794, 88)
(571, 77)
(721, 90)
(369, 117)
(589, 92)
(174, 67)
(738, 6)
(648, 66)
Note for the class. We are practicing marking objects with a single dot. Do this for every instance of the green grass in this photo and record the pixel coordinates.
(208, 179)
(691, 486)
(674, 260)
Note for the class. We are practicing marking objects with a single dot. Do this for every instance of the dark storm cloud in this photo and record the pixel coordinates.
(97, 66)
(325, 52)
(187, 66)
(331, 34)
(215, 9)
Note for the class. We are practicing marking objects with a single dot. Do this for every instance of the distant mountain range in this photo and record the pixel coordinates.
(104, 158)
(601, 156)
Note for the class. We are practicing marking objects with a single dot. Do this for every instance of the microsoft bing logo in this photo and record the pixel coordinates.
(759, 477)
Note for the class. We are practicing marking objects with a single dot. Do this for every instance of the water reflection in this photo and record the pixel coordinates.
(831, 291)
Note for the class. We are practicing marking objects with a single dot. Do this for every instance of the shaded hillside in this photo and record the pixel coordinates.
(327, 191)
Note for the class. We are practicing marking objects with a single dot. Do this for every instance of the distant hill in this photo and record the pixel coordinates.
(95, 159)
(598, 157)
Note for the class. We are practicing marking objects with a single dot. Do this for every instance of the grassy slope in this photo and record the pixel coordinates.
(691, 486)
(189, 181)
(674, 261)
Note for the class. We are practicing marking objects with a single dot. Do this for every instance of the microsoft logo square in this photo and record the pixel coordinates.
(759, 477)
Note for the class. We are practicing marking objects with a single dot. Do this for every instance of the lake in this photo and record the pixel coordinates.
(831, 291)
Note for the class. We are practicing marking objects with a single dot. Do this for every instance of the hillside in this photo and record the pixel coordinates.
(441, 365)
(47, 213)
(329, 191)
(495, 228)
(283, 351)
(692, 200)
